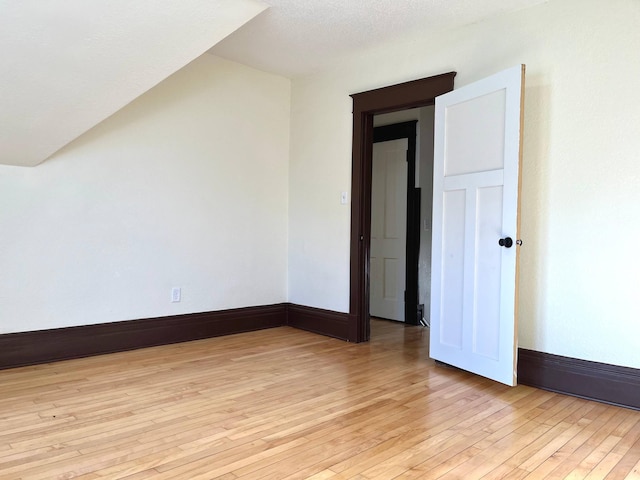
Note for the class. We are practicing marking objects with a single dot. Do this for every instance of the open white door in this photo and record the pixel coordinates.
(478, 131)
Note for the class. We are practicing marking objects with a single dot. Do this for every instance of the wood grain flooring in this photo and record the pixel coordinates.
(285, 404)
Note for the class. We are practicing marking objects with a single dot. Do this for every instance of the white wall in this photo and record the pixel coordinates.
(187, 186)
(580, 199)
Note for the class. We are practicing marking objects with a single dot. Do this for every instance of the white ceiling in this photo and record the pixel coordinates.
(66, 65)
(298, 37)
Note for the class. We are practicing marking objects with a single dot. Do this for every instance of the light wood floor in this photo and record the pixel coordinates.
(283, 403)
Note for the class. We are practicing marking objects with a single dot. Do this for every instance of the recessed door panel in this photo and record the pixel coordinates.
(452, 298)
(488, 268)
(474, 134)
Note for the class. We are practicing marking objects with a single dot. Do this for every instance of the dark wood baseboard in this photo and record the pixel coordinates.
(592, 380)
(317, 320)
(30, 348)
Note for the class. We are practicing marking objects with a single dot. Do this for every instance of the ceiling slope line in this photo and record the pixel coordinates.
(67, 65)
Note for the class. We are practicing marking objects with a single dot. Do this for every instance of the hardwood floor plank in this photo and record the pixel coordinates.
(634, 474)
(588, 440)
(286, 404)
(626, 463)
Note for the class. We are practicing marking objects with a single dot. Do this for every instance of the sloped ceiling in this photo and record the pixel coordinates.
(66, 65)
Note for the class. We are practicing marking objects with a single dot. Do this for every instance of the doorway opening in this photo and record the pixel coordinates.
(418, 93)
(395, 205)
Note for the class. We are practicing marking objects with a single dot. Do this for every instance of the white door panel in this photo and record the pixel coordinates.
(482, 120)
(452, 276)
(388, 229)
(476, 185)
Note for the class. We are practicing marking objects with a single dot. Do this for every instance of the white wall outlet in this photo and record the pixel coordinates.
(176, 294)
(343, 198)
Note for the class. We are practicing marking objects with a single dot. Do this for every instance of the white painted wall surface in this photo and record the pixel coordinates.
(319, 170)
(580, 196)
(186, 186)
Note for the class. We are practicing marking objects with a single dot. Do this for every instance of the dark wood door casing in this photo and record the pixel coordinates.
(414, 94)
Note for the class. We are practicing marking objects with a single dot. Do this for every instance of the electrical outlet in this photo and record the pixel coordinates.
(176, 294)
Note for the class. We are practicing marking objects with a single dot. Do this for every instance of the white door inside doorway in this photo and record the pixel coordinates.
(478, 132)
(388, 229)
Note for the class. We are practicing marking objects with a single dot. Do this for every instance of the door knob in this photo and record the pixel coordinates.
(506, 242)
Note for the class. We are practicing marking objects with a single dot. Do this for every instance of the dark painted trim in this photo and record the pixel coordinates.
(582, 378)
(43, 346)
(317, 320)
(592, 380)
(413, 252)
(397, 131)
(418, 93)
